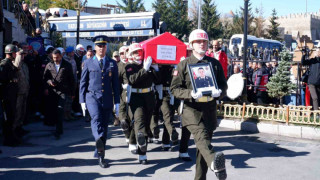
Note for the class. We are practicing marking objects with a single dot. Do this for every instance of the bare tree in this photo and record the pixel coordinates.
(258, 22)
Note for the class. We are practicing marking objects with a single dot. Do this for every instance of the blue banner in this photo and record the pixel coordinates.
(37, 44)
(103, 25)
(109, 33)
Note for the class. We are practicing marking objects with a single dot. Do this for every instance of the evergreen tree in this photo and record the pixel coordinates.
(131, 6)
(273, 28)
(280, 84)
(210, 19)
(44, 4)
(238, 21)
(66, 4)
(178, 21)
(161, 6)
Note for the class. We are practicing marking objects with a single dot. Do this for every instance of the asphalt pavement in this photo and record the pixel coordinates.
(248, 156)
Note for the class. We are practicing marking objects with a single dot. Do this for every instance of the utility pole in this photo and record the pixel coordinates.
(78, 21)
(199, 15)
(245, 38)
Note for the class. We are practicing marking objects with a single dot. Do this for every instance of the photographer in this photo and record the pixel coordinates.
(314, 75)
(60, 83)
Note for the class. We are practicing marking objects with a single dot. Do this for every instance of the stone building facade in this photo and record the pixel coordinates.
(300, 24)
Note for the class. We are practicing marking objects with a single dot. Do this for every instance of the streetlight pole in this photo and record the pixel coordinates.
(245, 38)
(78, 21)
(199, 15)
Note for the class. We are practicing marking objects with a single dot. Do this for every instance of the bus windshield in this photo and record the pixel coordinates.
(236, 40)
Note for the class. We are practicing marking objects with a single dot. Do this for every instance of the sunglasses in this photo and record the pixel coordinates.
(101, 46)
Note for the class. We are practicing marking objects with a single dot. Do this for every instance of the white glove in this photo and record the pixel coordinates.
(84, 108)
(147, 63)
(196, 95)
(155, 67)
(116, 109)
(216, 93)
(124, 86)
(182, 58)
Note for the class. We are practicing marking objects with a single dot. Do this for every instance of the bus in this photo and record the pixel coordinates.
(261, 42)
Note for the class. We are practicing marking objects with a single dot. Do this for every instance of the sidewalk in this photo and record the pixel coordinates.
(275, 128)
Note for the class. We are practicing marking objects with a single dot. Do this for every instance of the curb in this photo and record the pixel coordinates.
(303, 132)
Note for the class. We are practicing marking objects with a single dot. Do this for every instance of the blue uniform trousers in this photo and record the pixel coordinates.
(99, 121)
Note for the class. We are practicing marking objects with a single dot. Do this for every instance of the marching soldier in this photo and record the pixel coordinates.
(141, 77)
(124, 111)
(99, 83)
(199, 112)
(9, 91)
(167, 109)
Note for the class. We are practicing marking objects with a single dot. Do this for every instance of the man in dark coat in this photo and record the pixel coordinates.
(60, 83)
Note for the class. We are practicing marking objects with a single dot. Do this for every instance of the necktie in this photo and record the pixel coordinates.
(101, 63)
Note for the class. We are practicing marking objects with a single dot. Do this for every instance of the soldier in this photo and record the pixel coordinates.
(9, 90)
(167, 108)
(203, 80)
(199, 112)
(99, 79)
(125, 120)
(141, 77)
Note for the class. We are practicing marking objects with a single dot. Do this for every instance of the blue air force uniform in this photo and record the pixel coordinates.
(99, 89)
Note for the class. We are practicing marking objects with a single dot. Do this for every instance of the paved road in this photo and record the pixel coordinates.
(248, 156)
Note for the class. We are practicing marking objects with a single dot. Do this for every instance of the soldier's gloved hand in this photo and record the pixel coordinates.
(182, 58)
(117, 110)
(147, 63)
(155, 67)
(196, 95)
(216, 93)
(124, 86)
(84, 108)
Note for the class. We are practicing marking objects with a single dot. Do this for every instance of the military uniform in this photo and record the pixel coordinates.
(96, 87)
(167, 106)
(124, 110)
(199, 117)
(9, 90)
(142, 100)
(204, 82)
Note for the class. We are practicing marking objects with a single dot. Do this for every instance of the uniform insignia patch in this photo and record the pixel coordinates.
(129, 69)
(175, 72)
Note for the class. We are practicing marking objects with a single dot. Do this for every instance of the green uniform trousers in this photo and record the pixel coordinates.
(141, 105)
(205, 153)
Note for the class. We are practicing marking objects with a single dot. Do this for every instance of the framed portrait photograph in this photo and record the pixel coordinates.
(202, 78)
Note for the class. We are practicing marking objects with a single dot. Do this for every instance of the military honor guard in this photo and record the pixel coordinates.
(199, 112)
(167, 108)
(141, 75)
(99, 89)
(125, 114)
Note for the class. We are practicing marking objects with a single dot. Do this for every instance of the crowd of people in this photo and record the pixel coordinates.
(67, 83)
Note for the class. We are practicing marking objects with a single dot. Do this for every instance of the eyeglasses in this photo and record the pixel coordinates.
(101, 46)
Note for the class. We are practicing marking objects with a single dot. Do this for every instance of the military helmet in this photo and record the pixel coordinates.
(10, 48)
(134, 47)
(123, 49)
(198, 34)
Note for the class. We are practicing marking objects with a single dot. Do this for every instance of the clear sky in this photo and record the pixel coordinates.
(283, 7)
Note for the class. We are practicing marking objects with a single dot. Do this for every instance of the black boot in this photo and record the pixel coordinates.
(103, 163)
